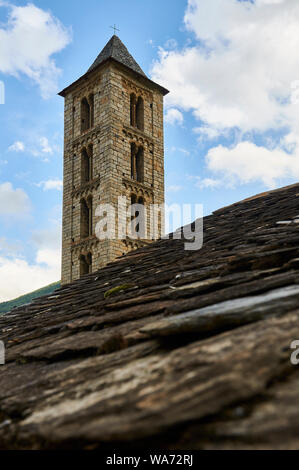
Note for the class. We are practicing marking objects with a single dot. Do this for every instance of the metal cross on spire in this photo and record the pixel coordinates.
(114, 28)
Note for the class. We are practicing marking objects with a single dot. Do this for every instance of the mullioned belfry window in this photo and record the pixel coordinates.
(87, 113)
(137, 162)
(86, 218)
(86, 164)
(137, 112)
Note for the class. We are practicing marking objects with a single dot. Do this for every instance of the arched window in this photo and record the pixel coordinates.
(133, 201)
(134, 214)
(91, 107)
(133, 161)
(140, 114)
(86, 164)
(141, 226)
(90, 154)
(85, 264)
(85, 115)
(133, 109)
(137, 112)
(86, 218)
(137, 210)
(137, 163)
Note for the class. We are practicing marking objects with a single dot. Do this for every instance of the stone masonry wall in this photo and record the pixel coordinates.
(111, 137)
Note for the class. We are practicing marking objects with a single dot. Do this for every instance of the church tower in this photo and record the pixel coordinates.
(113, 146)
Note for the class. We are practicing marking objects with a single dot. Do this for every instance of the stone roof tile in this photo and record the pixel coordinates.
(116, 50)
(166, 348)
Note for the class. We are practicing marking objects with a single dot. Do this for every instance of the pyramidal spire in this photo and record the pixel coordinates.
(116, 50)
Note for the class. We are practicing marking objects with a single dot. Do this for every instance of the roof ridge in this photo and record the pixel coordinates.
(257, 196)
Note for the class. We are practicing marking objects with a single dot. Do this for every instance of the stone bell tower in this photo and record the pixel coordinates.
(113, 146)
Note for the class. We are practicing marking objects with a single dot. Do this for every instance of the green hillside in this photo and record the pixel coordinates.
(27, 298)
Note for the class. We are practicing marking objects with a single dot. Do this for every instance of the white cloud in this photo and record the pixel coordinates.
(51, 184)
(43, 149)
(238, 78)
(20, 277)
(178, 149)
(207, 183)
(171, 44)
(28, 41)
(45, 146)
(10, 249)
(17, 147)
(173, 116)
(184, 151)
(247, 162)
(49, 246)
(174, 188)
(207, 132)
(243, 75)
(13, 202)
(36, 146)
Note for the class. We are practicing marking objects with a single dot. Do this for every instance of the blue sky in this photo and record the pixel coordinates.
(231, 118)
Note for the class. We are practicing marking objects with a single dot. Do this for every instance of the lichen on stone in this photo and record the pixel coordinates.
(118, 290)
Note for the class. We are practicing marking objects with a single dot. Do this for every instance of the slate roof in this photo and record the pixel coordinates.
(116, 50)
(193, 353)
